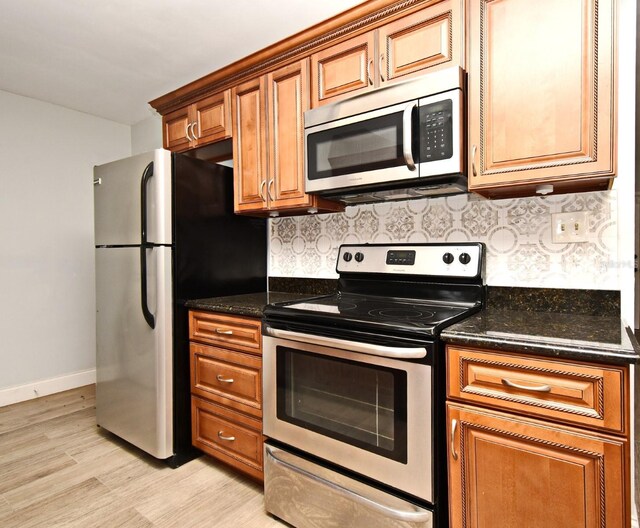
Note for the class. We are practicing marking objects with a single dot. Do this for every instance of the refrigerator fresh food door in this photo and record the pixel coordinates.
(134, 361)
(118, 200)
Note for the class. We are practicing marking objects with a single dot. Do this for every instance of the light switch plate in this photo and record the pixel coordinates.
(570, 227)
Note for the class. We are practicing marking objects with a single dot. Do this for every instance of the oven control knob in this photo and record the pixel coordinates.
(359, 257)
(347, 257)
(464, 258)
(447, 258)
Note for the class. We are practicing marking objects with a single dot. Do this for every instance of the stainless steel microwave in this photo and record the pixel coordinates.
(398, 142)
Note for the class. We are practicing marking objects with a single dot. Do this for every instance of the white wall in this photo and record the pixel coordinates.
(146, 135)
(47, 296)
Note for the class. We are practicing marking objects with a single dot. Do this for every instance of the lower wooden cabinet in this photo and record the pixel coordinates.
(226, 389)
(509, 472)
(536, 442)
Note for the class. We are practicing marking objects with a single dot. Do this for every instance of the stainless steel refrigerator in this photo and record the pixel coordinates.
(165, 232)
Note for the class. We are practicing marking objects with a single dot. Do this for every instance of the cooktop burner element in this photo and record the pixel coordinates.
(432, 286)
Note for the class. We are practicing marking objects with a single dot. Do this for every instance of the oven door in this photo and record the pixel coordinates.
(367, 413)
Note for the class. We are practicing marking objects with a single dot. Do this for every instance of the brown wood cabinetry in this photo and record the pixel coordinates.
(268, 144)
(226, 389)
(425, 40)
(541, 96)
(198, 124)
(536, 442)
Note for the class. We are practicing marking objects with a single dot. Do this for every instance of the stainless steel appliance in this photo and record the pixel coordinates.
(354, 387)
(402, 141)
(165, 232)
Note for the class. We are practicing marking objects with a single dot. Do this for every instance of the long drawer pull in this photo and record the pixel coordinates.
(454, 424)
(224, 380)
(541, 388)
(224, 332)
(227, 438)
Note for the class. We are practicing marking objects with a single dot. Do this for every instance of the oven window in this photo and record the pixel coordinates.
(357, 403)
(358, 147)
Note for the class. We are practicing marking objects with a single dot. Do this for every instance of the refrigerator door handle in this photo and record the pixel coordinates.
(146, 176)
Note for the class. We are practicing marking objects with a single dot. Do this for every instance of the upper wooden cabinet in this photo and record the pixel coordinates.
(198, 124)
(268, 144)
(425, 40)
(541, 96)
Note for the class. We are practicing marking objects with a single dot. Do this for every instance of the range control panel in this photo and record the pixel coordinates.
(463, 260)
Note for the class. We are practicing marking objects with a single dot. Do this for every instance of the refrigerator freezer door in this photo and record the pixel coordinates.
(117, 200)
(134, 362)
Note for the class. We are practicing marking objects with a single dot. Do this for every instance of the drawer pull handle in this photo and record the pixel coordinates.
(224, 380)
(541, 388)
(454, 424)
(227, 438)
(224, 332)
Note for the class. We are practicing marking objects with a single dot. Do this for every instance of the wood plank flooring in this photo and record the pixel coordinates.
(57, 469)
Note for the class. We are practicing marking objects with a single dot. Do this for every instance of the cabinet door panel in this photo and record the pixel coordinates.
(288, 98)
(174, 130)
(249, 159)
(425, 40)
(343, 70)
(512, 473)
(213, 118)
(540, 90)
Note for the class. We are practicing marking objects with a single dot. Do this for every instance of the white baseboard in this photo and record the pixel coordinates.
(39, 388)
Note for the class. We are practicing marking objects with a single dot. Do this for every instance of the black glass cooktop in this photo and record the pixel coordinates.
(406, 315)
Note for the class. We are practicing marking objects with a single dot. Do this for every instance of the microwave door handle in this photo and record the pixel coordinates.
(407, 136)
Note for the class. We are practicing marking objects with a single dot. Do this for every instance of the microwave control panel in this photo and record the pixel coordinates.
(436, 131)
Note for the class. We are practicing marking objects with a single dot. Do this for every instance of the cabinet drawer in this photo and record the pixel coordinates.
(231, 378)
(573, 392)
(227, 436)
(228, 331)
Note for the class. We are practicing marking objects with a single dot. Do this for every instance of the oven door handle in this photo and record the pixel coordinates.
(352, 346)
(417, 517)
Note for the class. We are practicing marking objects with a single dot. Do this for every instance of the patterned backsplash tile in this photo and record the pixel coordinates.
(517, 233)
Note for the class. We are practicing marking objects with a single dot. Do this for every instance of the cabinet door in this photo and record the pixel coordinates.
(541, 95)
(174, 130)
(430, 39)
(249, 156)
(212, 118)
(509, 472)
(343, 70)
(287, 99)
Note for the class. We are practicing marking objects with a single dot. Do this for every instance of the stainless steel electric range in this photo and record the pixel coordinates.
(354, 388)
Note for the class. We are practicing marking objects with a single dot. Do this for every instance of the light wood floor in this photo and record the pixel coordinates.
(57, 469)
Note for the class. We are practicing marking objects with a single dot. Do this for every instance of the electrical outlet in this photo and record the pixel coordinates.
(569, 227)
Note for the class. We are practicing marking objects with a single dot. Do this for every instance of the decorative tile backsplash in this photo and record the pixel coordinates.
(517, 233)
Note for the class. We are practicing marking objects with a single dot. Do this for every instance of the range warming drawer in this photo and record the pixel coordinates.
(308, 495)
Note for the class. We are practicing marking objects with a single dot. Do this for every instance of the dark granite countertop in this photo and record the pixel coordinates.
(249, 304)
(571, 336)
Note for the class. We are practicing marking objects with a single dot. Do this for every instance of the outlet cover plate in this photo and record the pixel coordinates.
(570, 227)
